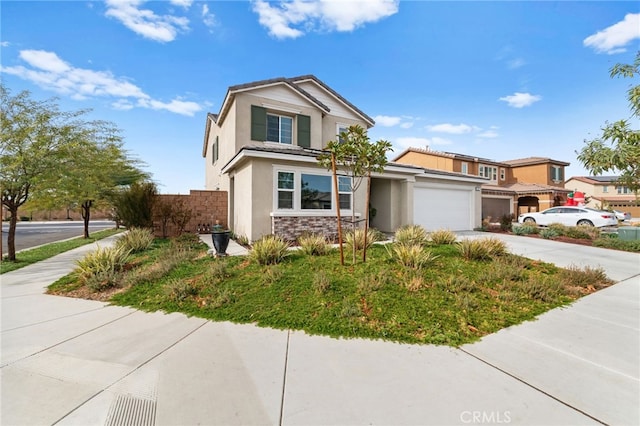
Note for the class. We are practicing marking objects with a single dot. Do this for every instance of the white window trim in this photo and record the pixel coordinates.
(503, 173)
(297, 209)
(274, 114)
(493, 171)
(556, 177)
(344, 126)
(464, 168)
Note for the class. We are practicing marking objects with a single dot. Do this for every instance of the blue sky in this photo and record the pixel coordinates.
(500, 80)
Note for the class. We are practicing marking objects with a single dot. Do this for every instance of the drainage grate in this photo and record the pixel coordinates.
(128, 410)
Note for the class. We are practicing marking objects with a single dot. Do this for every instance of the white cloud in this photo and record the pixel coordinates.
(454, 129)
(613, 39)
(406, 125)
(4, 44)
(183, 3)
(488, 134)
(50, 72)
(515, 63)
(387, 121)
(208, 18)
(519, 100)
(145, 22)
(291, 19)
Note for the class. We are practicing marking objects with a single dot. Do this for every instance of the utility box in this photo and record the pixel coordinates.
(629, 233)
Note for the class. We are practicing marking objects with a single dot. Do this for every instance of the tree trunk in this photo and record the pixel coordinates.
(11, 237)
(366, 218)
(335, 188)
(86, 215)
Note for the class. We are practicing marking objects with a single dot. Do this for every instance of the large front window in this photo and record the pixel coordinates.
(279, 128)
(297, 190)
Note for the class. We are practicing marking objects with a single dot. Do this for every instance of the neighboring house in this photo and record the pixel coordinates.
(603, 192)
(510, 187)
(262, 148)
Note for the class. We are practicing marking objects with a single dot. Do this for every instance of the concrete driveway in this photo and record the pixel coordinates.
(68, 361)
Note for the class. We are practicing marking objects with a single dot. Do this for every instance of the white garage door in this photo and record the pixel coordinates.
(437, 208)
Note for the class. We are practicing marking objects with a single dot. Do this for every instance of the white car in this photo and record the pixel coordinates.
(570, 216)
(620, 215)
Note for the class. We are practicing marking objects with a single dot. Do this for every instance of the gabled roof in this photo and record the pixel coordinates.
(292, 83)
(529, 161)
(525, 188)
(452, 155)
(596, 180)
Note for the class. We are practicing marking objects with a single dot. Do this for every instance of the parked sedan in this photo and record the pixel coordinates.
(620, 215)
(570, 216)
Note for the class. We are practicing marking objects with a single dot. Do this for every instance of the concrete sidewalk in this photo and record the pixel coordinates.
(69, 361)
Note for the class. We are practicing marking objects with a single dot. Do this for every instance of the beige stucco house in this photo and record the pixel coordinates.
(603, 192)
(262, 148)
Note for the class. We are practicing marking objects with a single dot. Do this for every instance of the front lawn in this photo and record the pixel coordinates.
(452, 301)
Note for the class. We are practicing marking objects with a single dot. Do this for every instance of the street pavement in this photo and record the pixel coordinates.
(77, 362)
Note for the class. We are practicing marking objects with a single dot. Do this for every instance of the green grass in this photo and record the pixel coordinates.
(27, 257)
(452, 301)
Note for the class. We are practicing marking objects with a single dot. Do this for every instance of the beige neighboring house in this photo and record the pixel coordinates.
(262, 147)
(603, 192)
(510, 187)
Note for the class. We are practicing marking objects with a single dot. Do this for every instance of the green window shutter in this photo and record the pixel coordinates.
(258, 123)
(215, 150)
(304, 131)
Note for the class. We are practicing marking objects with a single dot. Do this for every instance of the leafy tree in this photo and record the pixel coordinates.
(617, 150)
(56, 159)
(357, 157)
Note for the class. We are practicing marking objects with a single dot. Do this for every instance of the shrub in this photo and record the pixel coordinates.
(411, 256)
(411, 235)
(559, 228)
(314, 244)
(179, 290)
(443, 236)
(506, 222)
(549, 234)
(357, 237)
(242, 240)
(584, 277)
(136, 240)
(481, 249)
(525, 230)
(618, 244)
(579, 232)
(321, 282)
(134, 206)
(269, 250)
(102, 261)
(375, 281)
(414, 283)
(103, 280)
(272, 275)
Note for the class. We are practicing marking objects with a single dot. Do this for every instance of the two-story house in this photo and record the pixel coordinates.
(603, 192)
(511, 187)
(262, 148)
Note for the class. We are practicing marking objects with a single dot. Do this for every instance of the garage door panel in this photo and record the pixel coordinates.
(436, 208)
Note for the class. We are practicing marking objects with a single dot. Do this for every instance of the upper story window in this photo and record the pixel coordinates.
(279, 128)
(274, 127)
(557, 173)
(605, 188)
(623, 190)
(503, 174)
(464, 168)
(341, 128)
(488, 172)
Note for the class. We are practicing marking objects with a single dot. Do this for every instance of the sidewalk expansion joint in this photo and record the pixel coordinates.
(54, 319)
(66, 340)
(131, 372)
(533, 387)
(284, 378)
